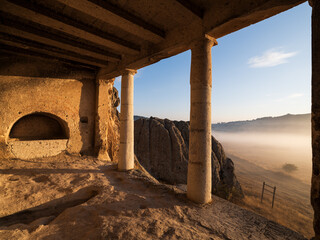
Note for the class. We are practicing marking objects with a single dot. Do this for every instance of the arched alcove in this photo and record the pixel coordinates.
(39, 126)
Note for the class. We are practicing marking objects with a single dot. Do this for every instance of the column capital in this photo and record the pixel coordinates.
(129, 71)
(207, 39)
(213, 41)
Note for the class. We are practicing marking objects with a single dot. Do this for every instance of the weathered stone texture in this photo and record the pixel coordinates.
(113, 129)
(29, 85)
(67, 99)
(35, 149)
(315, 190)
(161, 147)
(107, 121)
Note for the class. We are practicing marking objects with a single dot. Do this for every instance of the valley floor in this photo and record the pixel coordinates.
(70, 197)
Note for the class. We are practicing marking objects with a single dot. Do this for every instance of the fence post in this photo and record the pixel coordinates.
(274, 194)
(262, 191)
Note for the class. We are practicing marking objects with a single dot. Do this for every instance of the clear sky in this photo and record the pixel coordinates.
(262, 70)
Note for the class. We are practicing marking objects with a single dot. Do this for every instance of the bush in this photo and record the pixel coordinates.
(288, 167)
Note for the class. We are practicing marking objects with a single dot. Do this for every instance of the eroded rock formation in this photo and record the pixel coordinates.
(161, 146)
(107, 122)
(113, 126)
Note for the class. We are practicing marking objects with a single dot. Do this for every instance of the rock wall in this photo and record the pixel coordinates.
(162, 146)
(107, 132)
(32, 86)
(71, 100)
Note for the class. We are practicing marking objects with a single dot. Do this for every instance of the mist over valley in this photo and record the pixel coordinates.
(271, 142)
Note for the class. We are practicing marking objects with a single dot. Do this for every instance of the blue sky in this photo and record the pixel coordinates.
(262, 70)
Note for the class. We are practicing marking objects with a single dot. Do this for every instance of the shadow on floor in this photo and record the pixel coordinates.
(50, 209)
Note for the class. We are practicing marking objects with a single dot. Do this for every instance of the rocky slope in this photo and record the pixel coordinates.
(161, 147)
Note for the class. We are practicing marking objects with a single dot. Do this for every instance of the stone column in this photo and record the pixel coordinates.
(102, 116)
(126, 160)
(199, 165)
(315, 188)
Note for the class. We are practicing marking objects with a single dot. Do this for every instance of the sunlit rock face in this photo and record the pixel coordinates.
(162, 147)
(49, 107)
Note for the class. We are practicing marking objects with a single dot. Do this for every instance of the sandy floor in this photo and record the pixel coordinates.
(69, 197)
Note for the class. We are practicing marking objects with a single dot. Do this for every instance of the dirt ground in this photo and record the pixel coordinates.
(72, 197)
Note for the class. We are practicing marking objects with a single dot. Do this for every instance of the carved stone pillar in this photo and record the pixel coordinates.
(199, 165)
(126, 160)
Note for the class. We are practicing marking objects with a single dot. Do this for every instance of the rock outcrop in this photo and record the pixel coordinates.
(107, 135)
(113, 124)
(162, 148)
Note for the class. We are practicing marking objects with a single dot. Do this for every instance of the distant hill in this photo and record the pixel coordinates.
(298, 123)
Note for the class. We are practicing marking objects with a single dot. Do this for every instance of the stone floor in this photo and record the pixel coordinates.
(71, 197)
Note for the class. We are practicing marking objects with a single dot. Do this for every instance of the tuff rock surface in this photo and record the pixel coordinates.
(161, 147)
(80, 198)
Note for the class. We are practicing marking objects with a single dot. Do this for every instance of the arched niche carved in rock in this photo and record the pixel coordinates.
(39, 126)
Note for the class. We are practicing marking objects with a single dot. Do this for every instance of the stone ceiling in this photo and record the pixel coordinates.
(109, 36)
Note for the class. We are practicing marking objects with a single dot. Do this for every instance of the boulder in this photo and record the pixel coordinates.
(162, 148)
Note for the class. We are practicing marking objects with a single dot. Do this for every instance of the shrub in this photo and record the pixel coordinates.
(288, 167)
